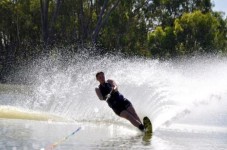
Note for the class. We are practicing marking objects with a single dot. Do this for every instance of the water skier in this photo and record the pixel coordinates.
(108, 91)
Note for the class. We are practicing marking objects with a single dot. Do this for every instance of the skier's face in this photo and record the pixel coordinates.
(101, 78)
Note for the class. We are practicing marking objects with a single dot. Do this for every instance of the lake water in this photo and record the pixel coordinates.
(28, 135)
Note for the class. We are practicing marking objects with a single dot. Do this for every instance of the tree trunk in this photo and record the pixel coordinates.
(44, 19)
(18, 30)
(81, 22)
(97, 28)
(53, 19)
(102, 20)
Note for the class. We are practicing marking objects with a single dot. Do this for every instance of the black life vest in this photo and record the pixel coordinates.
(115, 97)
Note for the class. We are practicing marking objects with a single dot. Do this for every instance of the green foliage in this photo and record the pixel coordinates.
(198, 33)
(162, 42)
(126, 30)
(191, 33)
(164, 12)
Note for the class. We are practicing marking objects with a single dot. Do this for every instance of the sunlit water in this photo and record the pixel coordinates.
(186, 101)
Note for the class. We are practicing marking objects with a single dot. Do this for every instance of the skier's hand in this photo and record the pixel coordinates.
(114, 89)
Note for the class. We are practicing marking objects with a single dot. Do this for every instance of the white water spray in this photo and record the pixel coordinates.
(192, 91)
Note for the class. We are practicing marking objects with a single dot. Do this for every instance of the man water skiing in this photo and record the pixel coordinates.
(108, 92)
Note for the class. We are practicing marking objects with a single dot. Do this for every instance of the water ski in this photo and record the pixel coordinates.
(148, 129)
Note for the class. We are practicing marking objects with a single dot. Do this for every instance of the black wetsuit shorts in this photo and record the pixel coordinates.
(119, 106)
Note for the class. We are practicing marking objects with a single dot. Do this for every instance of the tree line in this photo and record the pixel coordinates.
(150, 28)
